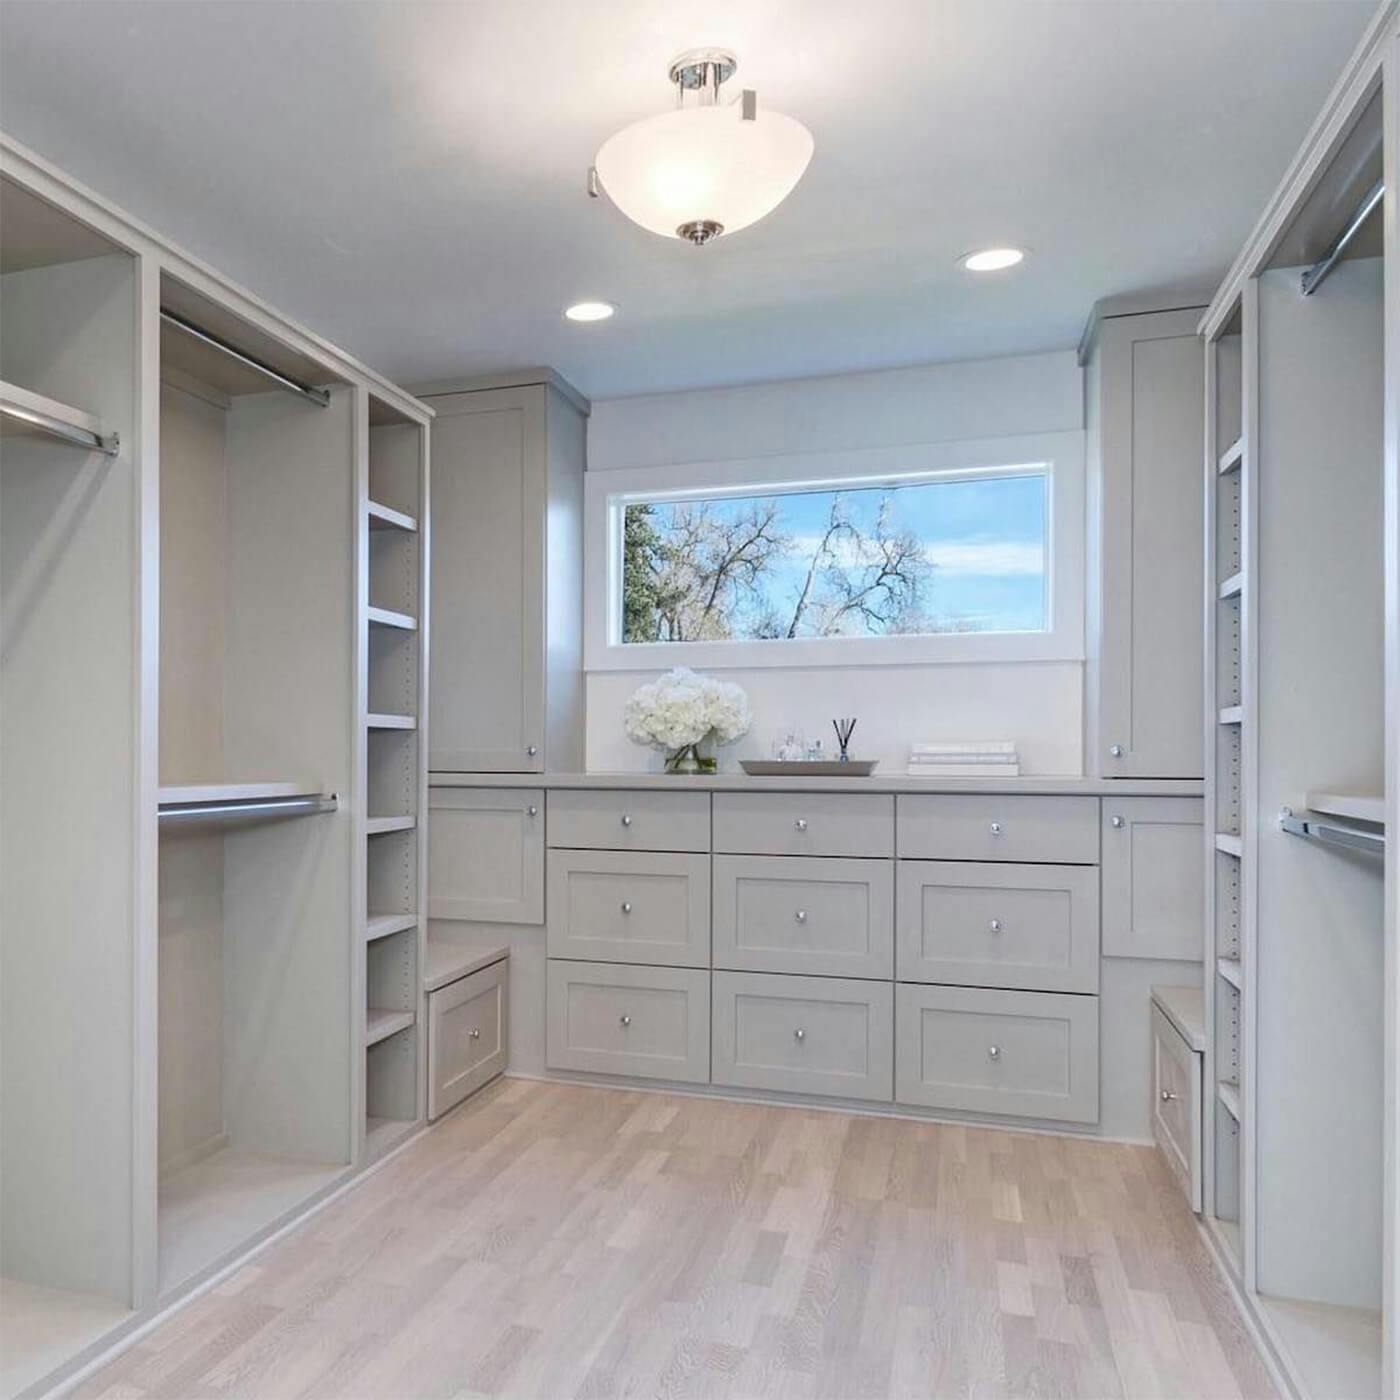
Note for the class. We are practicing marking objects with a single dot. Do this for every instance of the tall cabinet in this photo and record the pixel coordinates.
(1302, 493)
(508, 574)
(1143, 396)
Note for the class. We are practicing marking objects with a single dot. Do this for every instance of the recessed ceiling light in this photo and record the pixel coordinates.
(992, 259)
(589, 311)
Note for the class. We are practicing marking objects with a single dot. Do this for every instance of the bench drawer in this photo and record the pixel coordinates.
(807, 1035)
(1028, 927)
(804, 914)
(467, 1035)
(1017, 1054)
(1176, 1105)
(632, 820)
(638, 907)
(648, 1022)
(804, 824)
(1014, 828)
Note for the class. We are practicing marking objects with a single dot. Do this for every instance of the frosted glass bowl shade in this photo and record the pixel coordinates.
(703, 165)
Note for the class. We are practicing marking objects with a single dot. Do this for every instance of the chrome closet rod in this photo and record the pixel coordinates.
(80, 437)
(308, 391)
(1354, 838)
(1316, 275)
(236, 808)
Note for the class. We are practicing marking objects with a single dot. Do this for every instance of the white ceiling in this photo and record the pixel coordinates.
(408, 178)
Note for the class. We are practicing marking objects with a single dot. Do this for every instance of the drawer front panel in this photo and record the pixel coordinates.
(1014, 828)
(630, 821)
(645, 907)
(797, 824)
(804, 914)
(1176, 1105)
(649, 1022)
(1019, 1054)
(467, 1035)
(1032, 927)
(814, 1035)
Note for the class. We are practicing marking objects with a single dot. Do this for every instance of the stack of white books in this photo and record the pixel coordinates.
(972, 758)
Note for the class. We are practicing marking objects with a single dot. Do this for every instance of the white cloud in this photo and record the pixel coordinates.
(994, 559)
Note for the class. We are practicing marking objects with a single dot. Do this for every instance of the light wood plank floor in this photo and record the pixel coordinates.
(561, 1241)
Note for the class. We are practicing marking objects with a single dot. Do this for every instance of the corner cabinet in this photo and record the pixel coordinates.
(1144, 388)
(507, 568)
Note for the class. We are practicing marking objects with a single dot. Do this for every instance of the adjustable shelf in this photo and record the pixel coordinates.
(387, 617)
(383, 721)
(232, 802)
(380, 826)
(381, 1024)
(1230, 970)
(24, 411)
(1229, 1096)
(382, 925)
(1232, 586)
(387, 518)
(1358, 806)
(1232, 714)
(1230, 845)
(1231, 458)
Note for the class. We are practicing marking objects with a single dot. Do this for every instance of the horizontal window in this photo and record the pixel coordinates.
(959, 554)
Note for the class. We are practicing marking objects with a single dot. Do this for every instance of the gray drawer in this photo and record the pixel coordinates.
(630, 820)
(648, 1022)
(946, 827)
(1017, 1054)
(467, 1035)
(635, 907)
(805, 914)
(804, 824)
(1033, 927)
(806, 1035)
(1176, 1105)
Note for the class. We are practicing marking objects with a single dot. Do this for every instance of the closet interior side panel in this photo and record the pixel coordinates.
(69, 550)
(1321, 701)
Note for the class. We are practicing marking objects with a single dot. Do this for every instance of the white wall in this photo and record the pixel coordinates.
(1039, 704)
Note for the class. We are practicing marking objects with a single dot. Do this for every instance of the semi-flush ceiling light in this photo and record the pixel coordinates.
(703, 169)
(992, 259)
(589, 311)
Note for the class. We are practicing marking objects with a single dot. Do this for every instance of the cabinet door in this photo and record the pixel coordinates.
(1151, 426)
(486, 702)
(486, 854)
(1153, 877)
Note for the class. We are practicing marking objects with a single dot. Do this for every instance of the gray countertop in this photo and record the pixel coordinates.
(877, 782)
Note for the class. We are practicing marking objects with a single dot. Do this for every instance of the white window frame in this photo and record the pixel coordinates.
(608, 492)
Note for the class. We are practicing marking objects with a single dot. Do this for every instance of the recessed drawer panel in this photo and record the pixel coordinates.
(649, 1022)
(804, 824)
(1034, 927)
(812, 1035)
(1176, 1105)
(639, 907)
(973, 827)
(804, 914)
(467, 1035)
(630, 820)
(1019, 1054)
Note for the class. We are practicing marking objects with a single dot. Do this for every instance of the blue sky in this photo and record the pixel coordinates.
(985, 538)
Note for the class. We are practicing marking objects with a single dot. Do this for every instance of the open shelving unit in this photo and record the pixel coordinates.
(393, 650)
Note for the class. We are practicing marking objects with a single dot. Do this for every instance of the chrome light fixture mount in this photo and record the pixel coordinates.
(707, 168)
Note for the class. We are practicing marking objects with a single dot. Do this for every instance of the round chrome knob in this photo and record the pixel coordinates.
(994, 1052)
(626, 819)
(626, 906)
(476, 1035)
(1117, 821)
(532, 750)
(532, 811)
(799, 1034)
(995, 828)
(1116, 750)
(801, 916)
(994, 925)
(625, 1020)
(801, 823)
(1167, 1096)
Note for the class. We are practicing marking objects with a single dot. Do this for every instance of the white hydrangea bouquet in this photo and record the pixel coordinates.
(680, 712)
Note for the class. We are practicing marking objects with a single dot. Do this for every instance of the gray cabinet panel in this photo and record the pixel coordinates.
(1032, 927)
(630, 821)
(804, 824)
(814, 1035)
(486, 854)
(1023, 1054)
(1003, 828)
(649, 907)
(804, 914)
(1153, 878)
